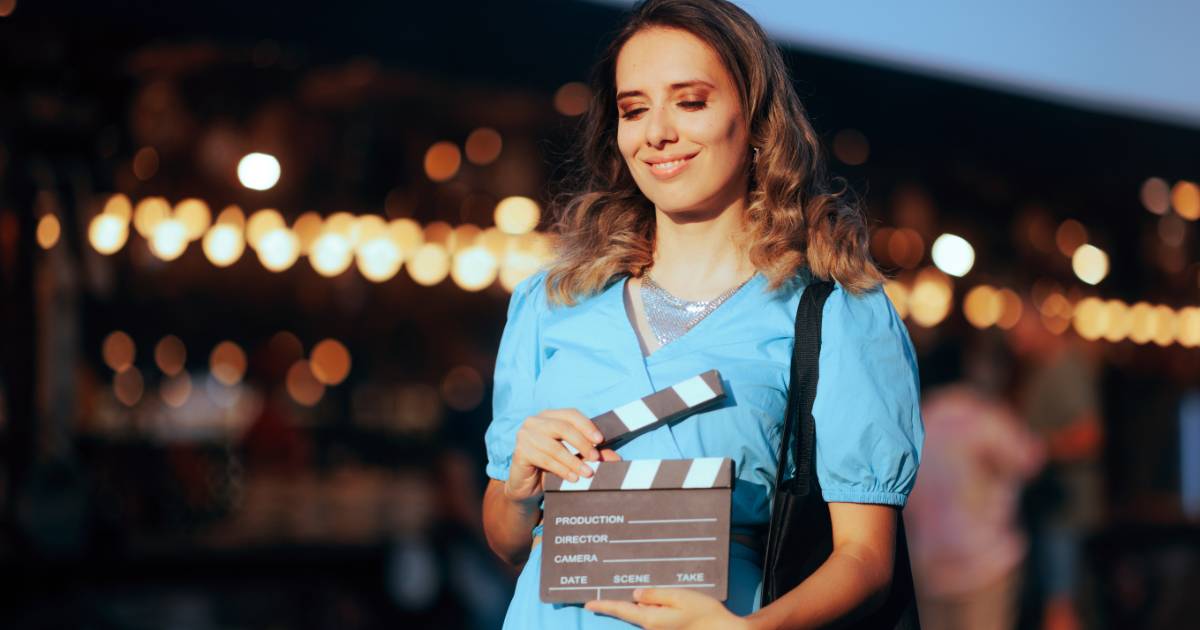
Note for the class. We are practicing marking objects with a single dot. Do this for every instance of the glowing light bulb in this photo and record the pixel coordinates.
(429, 265)
(169, 239)
(474, 268)
(223, 244)
(1090, 264)
(330, 254)
(953, 254)
(517, 215)
(278, 249)
(379, 259)
(258, 171)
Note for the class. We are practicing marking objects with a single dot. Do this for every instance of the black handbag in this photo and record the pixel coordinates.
(800, 537)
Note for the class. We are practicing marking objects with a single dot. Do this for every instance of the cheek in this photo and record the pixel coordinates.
(627, 142)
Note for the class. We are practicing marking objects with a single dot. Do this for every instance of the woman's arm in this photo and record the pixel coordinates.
(852, 582)
(507, 523)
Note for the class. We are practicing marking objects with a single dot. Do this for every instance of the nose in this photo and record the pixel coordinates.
(660, 128)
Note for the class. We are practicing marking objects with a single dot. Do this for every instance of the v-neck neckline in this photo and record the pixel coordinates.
(630, 322)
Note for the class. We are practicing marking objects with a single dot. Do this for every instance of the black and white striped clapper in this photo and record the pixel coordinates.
(664, 405)
(646, 523)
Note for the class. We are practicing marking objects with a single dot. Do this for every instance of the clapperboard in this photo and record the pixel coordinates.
(640, 523)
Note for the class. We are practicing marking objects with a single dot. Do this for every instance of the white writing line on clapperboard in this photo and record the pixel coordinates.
(654, 540)
(694, 558)
(609, 588)
(673, 520)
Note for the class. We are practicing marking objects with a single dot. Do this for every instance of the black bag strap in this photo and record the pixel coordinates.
(802, 390)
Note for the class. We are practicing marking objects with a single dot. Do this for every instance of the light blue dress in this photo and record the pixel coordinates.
(587, 356)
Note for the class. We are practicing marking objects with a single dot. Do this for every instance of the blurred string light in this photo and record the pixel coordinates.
(931, 297)
(474, 268)
(195, 216)
(1156, 195)
(429, 265)
(302, 386)
(261, 222)
(258, 171)
(517, 215)
(148, 214)
(170, 355)
(330, 362)
(232, 215)
(1090, 263)
(330, 254)
(1069, 236)
(483, 146)
(118, 351)
(48, 231)
(953, 254)
(223, 244)
(572, 99)
(408, 235)
(128, 386)
(227, 363)
(176, 389)
(169, 239)
(278, 249)
(379, 259)
(464, 236)
(439, 232)
(442, 161)
(1185, 198)
(308, 228)
(851, 147)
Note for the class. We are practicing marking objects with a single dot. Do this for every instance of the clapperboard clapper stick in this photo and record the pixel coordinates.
(663, 406)
(644, 523)
(640, 523)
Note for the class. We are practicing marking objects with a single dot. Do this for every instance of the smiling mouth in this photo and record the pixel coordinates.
(666, 169)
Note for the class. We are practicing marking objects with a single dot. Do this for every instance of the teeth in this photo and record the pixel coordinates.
(665, 166)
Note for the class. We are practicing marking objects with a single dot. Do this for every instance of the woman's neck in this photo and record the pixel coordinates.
(697, 257)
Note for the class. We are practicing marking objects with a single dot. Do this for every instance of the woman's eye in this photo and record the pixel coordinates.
(692, 104)
(633, 113)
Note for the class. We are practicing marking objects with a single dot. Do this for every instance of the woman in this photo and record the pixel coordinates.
(704, 185)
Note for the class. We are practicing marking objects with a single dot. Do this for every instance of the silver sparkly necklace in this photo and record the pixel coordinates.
(670, 317)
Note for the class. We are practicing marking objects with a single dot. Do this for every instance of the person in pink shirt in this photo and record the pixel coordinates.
(966, 547)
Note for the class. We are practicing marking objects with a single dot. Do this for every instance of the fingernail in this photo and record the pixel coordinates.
(574, 477)
(637, 593)
(596, 437)
(586, 471)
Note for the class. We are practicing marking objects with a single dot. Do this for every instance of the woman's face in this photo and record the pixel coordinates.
(681, 128)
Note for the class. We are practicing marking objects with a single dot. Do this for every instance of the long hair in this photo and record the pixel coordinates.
(795, 219)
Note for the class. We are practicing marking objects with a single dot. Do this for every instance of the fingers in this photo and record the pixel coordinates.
(628, 611)
(572, 436)
(550, 455)
(582, 423)
(609, 455)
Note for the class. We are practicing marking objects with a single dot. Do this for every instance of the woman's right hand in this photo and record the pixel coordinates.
(540, 448)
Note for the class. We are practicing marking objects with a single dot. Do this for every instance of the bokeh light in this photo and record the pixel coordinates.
(474, 268)
(307, 229)
(170, 354)
(1185, 197)
(517, 215)
(1056, 312)
(1189, 327)
(232, 215)
(227, 362)
(429, 265)
(464, 236)
(175, 390)
(1069, 236)
(1163, 325)
(278, 249)
(118, 351)
(483, 146)
(169, 239)
(1156, 195)
(330, 254)
(1120, 321)
(905, 247)
(302, 386)
(982, 306)
(330, 362)
(379, 259)
(48, 231)
(898, 294)
(851, 147)
(1090, 264)
(145, 163)
(1141, 323)
(118, 205)
(258, 171)
(462, 388)
(223, 244)
(1090, 318)
(442, 161)
(1011, 309)
(953, 254)
(260, 223)
(128, 386)
(438, 232)
(195, 216)
(572, 99)
(149, 213)
(7, 7)
(407, 234)
(931, 298)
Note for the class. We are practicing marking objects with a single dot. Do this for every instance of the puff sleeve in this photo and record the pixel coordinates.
(867, 408)
(518, 363)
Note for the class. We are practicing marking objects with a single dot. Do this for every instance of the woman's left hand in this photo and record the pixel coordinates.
(671, 608)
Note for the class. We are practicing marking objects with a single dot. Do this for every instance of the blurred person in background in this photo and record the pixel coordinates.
(1061, 404)
(967, 548)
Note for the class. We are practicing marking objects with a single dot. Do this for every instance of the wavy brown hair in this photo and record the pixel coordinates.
(795, 219)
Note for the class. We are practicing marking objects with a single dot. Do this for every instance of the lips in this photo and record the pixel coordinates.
(668, 166)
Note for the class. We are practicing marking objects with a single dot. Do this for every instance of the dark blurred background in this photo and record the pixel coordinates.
(256, 257)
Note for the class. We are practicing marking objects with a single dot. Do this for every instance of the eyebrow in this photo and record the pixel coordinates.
(674, 86)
